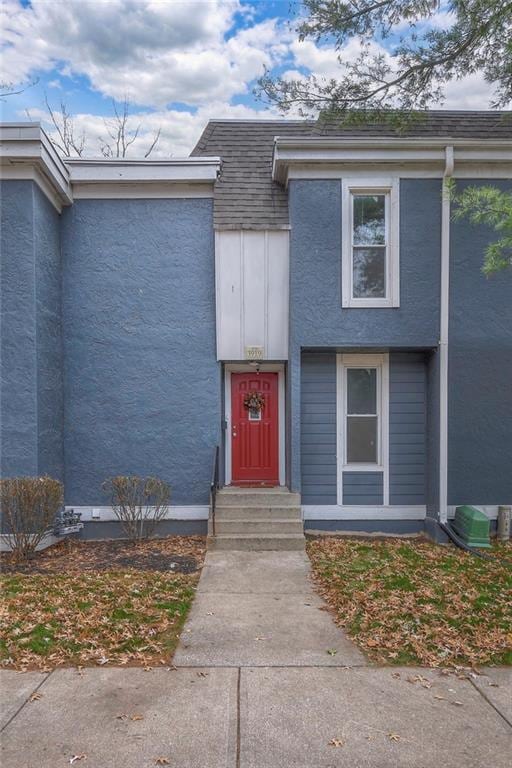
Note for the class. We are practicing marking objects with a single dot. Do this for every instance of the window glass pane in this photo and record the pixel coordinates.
(369, 273)
(369, 219)
(362, 439)
(361, 390)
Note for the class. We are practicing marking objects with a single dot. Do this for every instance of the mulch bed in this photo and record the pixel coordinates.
(179, 554)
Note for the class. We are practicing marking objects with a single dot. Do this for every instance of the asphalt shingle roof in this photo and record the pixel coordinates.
(245, 195)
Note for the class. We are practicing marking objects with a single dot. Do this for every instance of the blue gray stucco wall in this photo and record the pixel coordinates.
(480, 370)
(316, 316)
(50, 396)
(317, 319)
(142, 385)
(31, 431)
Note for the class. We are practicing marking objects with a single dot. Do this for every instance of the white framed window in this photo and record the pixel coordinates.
(362, 408)
(370, 235)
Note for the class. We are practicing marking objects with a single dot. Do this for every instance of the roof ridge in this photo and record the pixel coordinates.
(258, 120)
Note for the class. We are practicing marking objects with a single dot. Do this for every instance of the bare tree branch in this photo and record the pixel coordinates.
(65, 140)
(154, 143)
(12, 89)
(120, 133)
(117, 141)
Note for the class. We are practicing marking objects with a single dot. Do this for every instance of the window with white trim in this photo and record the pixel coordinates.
(362, 416)
(363, 412)
(370, 268)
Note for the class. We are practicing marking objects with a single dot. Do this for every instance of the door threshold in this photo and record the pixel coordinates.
(253, 486)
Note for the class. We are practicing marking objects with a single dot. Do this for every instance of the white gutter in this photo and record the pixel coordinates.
(27, 153)
(345, 152)
(443, 336)
(122, 170)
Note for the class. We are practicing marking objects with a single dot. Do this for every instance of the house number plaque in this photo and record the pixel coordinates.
(254, 353)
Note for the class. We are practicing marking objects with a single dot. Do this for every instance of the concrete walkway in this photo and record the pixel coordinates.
(256, 687)
(259, 609)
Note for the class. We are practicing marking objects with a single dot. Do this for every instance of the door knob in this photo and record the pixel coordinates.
(234, 431)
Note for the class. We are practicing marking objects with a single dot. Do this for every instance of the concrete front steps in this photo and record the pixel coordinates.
(257, 519)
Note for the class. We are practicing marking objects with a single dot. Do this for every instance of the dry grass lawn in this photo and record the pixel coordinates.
(98, 603)
(412, 602)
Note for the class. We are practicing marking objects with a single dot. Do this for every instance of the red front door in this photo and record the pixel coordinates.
(255, 432)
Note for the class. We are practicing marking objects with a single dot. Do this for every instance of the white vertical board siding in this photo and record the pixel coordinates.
(253, 266)
(229, 294)
(251, 277)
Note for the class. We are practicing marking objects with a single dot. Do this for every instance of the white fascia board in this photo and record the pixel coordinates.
(135, 190)
(349, 152)
(177, 170)
(399, 170)
(27, 152)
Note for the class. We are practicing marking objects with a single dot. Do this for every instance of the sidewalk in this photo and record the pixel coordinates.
(256, 688)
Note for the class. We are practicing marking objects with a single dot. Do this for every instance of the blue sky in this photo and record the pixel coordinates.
(179, 62)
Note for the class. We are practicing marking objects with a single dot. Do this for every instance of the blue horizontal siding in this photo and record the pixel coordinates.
(363, 488)
(407, 435)
(318, 428)
(407, 428)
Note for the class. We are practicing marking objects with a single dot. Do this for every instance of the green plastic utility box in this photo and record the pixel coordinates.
(472, 526)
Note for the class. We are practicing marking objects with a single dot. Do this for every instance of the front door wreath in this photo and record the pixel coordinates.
(254, 401)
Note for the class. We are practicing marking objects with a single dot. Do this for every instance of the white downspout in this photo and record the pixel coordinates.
(443, 337)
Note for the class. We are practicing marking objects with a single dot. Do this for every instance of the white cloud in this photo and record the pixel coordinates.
(155, 52)
(328, 62)
(159, 52)
(470, 92)
(180, 130)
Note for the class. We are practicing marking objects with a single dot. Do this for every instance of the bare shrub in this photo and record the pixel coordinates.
(29, 507)
(139, 503)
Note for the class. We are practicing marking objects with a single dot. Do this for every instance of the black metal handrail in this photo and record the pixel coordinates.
(214, 486)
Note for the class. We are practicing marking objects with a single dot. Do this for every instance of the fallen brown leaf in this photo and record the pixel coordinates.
(382, 593)
(100, 598)
(35, 696)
